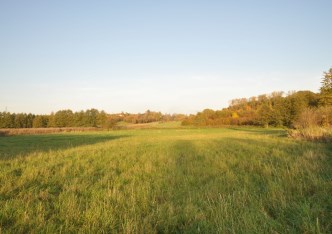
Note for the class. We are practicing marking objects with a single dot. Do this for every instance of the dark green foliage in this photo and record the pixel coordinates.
(40, 121)
(6, 120)
(12, 120)
(62, 118)
(88, 118)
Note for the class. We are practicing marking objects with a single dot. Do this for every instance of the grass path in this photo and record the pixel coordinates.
(165, 180)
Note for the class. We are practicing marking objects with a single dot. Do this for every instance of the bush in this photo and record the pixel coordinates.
(313, 124)
(312, 134)
(309, 118)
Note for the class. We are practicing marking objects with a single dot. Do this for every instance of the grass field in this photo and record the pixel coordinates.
(165, 181)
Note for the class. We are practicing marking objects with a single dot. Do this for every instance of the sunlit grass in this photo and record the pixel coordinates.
(165, 180)
(152, 125)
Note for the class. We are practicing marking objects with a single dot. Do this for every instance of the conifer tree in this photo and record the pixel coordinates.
(326, 89)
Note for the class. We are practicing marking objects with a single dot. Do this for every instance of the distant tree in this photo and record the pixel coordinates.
(20, 120)
(79, 119)
(264, 115)
(30, 118)
(51, 121)
(102, 120)
(326, 89)
(91, 117)
(178, 117)
(277, 113)
(7, 120)
(64, 118)
(40, 121)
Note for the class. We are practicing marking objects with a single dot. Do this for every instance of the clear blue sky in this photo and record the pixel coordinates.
(169, 56)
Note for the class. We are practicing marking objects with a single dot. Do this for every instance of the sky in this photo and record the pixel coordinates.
(170, 56)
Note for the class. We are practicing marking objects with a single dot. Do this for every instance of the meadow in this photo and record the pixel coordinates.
(232, 180)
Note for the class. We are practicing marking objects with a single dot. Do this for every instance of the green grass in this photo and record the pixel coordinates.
(152, 125)
(243, 180)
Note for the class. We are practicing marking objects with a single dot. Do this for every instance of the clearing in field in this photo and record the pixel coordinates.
(165, 180)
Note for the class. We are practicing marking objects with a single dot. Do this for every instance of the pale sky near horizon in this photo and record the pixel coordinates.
(168, 56)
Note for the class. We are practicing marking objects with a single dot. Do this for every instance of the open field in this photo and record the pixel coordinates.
(165, 180)
(152, 125)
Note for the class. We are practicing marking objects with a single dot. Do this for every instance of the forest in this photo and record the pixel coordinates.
(278, 109)
(87, 118)
(291, 110)
(275, 109)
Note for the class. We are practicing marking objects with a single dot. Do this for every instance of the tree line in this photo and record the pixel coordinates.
(87, 118)
(62, 118)
(275, 109)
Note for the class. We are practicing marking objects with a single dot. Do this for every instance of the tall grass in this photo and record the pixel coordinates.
(165, 181)
(313, 124)
(34, 131)
(312, 133)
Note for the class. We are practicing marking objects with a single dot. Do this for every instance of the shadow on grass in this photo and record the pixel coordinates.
(11, 147)
(185, 179)
(253, 170)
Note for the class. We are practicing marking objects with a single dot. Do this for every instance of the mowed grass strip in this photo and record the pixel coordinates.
(166, 181)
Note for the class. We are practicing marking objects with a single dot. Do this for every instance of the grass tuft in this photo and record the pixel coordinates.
(322, 134)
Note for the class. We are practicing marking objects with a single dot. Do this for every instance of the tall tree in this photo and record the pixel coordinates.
(64, 118)
(7, 120)
(326, 89)
(40, 121)
(91, 117)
